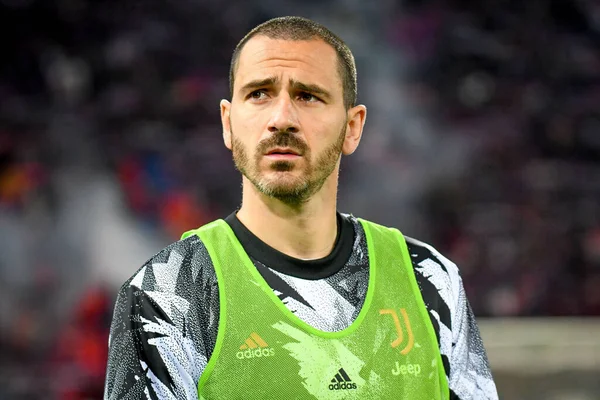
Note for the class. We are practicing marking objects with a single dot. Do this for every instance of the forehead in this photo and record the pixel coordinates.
(309, 61)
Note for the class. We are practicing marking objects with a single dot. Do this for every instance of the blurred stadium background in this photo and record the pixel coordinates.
(483, 138)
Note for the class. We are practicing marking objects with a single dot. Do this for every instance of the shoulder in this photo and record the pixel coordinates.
(427, 259)
(422, 254)
(179, 263)
(177, 283)
(438, 278)
(438, 270)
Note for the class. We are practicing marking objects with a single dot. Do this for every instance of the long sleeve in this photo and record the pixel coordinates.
(164, 326)
(149, 358)
(470, 375)
(461, 347)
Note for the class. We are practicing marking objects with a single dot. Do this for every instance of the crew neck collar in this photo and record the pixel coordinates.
(306, 269)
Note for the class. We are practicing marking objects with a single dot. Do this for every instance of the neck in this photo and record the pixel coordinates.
(306, 231)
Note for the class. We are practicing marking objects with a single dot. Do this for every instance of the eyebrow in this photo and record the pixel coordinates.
(296, 85)
(258, 83)
(310, 88)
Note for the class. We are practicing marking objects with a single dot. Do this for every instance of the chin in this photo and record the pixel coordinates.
(280, 189)
(282, 178)
(284, 188)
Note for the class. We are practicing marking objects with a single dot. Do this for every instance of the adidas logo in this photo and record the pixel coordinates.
(342, 381)
(253, 347)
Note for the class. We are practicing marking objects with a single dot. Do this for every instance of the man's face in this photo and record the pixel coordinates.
(287, 120)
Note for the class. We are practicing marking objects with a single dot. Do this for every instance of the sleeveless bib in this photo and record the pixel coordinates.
(263, 351)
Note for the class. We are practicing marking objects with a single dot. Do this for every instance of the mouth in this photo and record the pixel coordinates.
(282, 153)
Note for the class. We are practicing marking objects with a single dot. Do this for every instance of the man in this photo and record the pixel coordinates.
(287, 298)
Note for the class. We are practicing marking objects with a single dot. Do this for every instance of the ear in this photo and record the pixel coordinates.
(225, 122)
(356, 121)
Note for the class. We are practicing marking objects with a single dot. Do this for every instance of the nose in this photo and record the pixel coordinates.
(284, 117)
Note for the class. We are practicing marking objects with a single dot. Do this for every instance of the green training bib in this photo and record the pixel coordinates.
(263, 351)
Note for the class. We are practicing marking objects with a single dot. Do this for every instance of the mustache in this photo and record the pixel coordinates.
(283, 139)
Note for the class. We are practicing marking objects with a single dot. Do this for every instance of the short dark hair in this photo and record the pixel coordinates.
(299, 28)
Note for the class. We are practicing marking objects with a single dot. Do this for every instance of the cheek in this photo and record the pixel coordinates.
(241, 146)
(246, 127)
(242, 141)
(321, 135)
(249, 116)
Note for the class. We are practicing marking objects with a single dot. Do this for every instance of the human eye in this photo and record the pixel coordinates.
(308, 97)
(259, 94)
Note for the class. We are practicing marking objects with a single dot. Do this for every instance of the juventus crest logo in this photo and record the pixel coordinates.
(410, 341)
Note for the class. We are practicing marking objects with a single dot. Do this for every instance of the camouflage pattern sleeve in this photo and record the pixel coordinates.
(463, 353)
(470, 375)
(164, 325)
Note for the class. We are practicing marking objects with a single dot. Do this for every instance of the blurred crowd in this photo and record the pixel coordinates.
(483, 139)
(521, 80)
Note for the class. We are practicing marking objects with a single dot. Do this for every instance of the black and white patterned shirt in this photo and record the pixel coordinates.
(167, 314)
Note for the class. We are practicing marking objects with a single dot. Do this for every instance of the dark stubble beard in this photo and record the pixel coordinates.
(290, 191)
